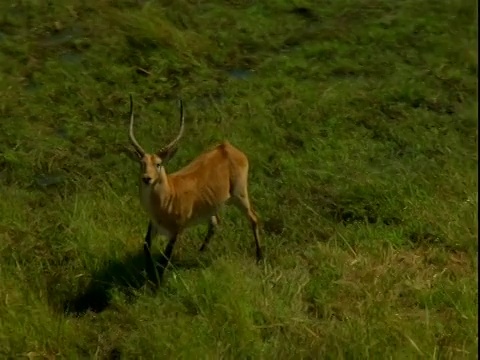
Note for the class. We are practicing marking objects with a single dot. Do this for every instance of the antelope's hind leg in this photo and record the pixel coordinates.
(212, 226)
(243, 203)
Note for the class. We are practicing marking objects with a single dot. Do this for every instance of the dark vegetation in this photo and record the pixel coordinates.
(360, 120)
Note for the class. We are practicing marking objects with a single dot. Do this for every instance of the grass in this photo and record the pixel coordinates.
(360, 121)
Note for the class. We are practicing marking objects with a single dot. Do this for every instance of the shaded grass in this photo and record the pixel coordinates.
(360, 122)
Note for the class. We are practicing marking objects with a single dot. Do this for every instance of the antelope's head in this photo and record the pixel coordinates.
(151, 165)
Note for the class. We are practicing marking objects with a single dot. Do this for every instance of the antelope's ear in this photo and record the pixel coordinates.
(167, 154)
(131, 154)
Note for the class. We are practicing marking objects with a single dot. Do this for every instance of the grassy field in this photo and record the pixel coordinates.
(360, 121)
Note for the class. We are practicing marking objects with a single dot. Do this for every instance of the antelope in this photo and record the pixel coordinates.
(191, 195)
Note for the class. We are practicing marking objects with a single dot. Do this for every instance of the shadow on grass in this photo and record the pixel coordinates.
(127, 276)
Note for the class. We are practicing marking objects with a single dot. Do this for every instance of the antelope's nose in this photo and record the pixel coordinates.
(146, 179)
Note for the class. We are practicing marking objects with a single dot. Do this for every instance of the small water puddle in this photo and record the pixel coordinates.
(47, 180)
(63, 36)
(63, 133)
(241, 74)
(71, 58)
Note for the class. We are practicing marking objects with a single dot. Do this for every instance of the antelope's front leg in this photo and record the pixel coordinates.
(147, 245)
(167, 254)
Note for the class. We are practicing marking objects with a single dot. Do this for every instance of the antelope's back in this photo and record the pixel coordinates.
(212, 174)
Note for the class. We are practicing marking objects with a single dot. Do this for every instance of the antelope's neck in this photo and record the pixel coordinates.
(157, 197)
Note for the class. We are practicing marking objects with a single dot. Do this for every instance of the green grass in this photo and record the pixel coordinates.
(360, 121)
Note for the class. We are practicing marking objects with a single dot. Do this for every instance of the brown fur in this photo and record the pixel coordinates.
(193, 194)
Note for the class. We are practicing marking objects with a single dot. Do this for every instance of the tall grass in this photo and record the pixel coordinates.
(360, 122)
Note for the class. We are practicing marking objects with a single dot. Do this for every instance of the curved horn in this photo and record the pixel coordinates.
(180, 133)
(134, 142)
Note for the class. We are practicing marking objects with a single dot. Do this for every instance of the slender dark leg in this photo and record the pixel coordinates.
(167, 254)
(254, 223)
(243, 203)
(210, 232)
(150, 268)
